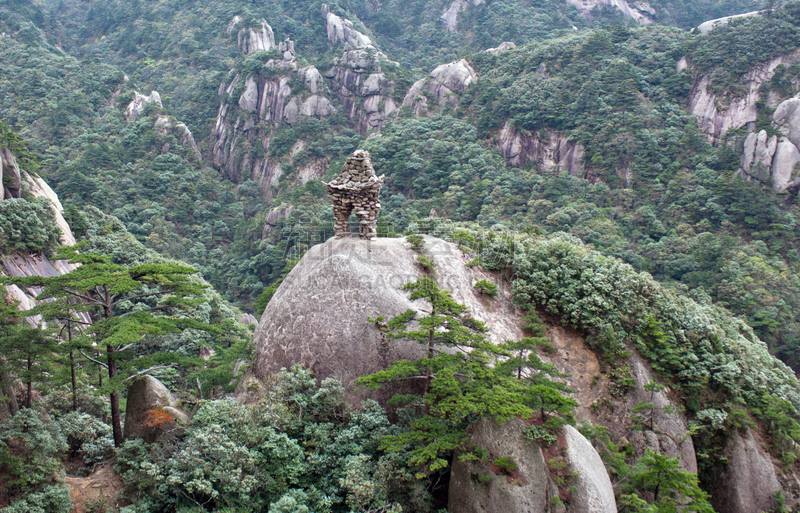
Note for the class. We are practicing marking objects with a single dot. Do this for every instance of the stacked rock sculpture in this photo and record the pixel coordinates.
(356, 189)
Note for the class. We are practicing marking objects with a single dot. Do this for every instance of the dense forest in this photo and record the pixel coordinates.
(577, 153)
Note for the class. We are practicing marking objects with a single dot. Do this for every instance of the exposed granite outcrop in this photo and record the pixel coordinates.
(748, 483)
(776, 157)
(252, 39)
(450, 15)
(443, 85)
(640, 11)
(138, 104)
(481, 487)
(318, 315)
(708, 26)
(551, 155)
(716, 115)
(475, 487)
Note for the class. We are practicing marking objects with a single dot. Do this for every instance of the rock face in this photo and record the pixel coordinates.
(138, 104)
(165, 125)
(716, 116)
(749, 481)
(450, 15)
(252, 39)
(9, 170)
(642, 12)
(481, 487)
(550, 155)
(318, 316)
(364, 90)
(506, 45)
(776, 157)
(708, 26)
(152, 410)
(600, 407)
(443, 85)
(593, 490)
(475, 487)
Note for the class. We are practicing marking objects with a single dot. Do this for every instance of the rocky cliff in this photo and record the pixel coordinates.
(717, 114)
(775, 158)
(318, 318)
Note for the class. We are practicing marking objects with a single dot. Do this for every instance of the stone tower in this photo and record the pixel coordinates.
(356, 189)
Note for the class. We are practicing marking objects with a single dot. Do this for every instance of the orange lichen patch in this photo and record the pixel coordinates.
(157, 417)
(511, 474)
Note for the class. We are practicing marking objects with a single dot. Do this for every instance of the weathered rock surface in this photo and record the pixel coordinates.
(138, 104)
(479, 486)
(504, 46)
(341, 30)
(318, 316)
(708, 26)
(641, 11)
(552, 155)
(716, 116)
(152, 410)
(38, 265)
(443, 84)
(776, 157)
(786, 119)
(475, 487)
(252, 39)
(450, 15)
(749, 481)
(785, 171)
(164, 125)
(600, 407)
(758, 152)
(593, 491)
(10, 172)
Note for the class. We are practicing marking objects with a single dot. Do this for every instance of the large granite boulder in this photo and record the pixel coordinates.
(593, 492)
(152, 410)
(318, 316)
(481, 486)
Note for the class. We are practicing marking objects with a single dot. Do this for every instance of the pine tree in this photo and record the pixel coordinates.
(465, 377)
(125, 304)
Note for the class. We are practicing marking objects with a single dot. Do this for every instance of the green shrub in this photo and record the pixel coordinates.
(27, 226)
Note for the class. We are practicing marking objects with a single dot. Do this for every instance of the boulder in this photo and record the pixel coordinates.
(748, 483)
(480, 487)
(593, 492)
(248, 102)
(9, 170)
(708, 26)
(786, 119)
(443, 84)
(138, 104)
(455, 76)
(152, 410)
(317, 107)
(784, 166)
(758, 152)
(318, 316)
(504, 46)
